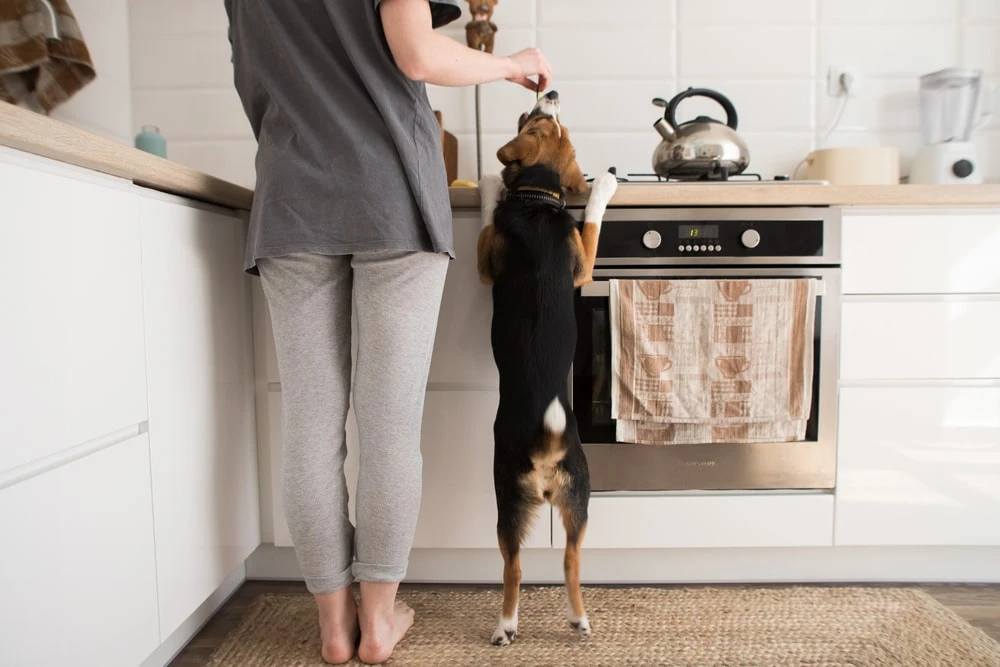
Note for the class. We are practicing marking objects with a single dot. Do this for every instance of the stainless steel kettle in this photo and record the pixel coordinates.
(699, 149)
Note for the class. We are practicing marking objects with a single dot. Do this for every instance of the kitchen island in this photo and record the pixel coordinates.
(145, 409)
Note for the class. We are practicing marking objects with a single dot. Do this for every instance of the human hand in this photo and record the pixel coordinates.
(528, 63)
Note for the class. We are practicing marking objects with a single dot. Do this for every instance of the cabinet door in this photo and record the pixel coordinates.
(919, 466)
(78, 578)
(201, 406)
(458, 507)
(71, 306)
(922, 253)
(899, 338)
(462, 352)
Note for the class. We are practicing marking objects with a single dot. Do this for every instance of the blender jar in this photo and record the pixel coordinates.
(948, 101)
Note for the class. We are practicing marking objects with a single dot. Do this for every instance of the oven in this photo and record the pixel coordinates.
(714, 243)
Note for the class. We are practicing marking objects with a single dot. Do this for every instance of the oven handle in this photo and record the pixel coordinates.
(602, 288)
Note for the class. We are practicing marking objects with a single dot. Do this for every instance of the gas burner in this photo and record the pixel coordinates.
(637, 178)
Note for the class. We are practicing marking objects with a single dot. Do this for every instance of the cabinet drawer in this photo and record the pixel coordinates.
(73, 365)
(914, 338)
(758, 520)
(921, 254)
(919, 466)
(78, 575)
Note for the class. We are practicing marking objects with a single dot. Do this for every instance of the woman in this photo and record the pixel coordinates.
(350, 211)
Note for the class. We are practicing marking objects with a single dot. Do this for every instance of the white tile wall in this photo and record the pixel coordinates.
(611, 58)
(105, 105)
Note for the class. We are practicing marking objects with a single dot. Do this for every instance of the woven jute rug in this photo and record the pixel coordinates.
(643, 626)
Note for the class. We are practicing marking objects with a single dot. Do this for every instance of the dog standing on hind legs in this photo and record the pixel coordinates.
(534, 255)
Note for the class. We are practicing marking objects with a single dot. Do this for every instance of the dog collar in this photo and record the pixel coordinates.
(533, 193)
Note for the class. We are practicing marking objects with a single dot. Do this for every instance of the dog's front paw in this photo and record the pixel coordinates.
(601, 191)
(604, 187)
(490, 188)
(505, 632)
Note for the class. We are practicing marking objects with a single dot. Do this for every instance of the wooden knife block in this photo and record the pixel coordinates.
(449, 146)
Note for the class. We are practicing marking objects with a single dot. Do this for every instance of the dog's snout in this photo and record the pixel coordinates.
(552, 96)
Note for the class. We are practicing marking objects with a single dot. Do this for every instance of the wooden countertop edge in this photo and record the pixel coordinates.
(34, 133)
(784, 195)
(40, 135)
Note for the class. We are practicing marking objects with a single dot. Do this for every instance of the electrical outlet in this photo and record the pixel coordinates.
(835, 86)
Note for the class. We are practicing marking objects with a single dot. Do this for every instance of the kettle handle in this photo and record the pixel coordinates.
(727, 106)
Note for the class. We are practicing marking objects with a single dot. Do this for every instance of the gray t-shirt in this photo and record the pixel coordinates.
(348, 149)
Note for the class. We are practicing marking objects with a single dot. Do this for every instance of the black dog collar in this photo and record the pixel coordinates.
(533, 193)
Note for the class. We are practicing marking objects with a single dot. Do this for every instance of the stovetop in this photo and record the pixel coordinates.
(738, 179)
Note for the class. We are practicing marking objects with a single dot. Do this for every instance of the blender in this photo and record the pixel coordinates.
(949, 99)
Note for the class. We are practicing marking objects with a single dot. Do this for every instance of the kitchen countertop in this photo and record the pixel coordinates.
(41, 135)
(34, 133)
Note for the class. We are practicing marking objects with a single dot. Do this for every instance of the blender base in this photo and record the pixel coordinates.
(946, 163)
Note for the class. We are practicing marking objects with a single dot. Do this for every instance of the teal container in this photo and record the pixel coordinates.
(151, 141)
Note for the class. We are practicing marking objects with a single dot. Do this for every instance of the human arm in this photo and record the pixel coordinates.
(425, 55)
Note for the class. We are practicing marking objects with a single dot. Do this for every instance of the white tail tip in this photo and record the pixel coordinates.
(555, 417)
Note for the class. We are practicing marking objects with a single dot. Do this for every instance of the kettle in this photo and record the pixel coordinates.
(699, 149)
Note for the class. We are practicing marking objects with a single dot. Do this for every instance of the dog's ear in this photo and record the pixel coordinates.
(522, 120)
(523, 148)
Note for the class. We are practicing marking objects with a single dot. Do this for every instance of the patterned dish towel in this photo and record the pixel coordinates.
(36, 72)
(702, 361)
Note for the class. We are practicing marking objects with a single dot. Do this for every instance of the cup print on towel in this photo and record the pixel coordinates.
(732, 290)
(654, 289)
(732, 366)
(655, 364)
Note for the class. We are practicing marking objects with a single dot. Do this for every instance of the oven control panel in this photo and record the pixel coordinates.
(637, 236)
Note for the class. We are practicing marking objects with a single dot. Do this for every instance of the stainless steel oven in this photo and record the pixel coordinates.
(694, 243)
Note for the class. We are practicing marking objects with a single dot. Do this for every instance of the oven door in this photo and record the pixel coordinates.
(615, 466)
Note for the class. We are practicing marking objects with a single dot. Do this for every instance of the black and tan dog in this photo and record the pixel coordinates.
(533, 253)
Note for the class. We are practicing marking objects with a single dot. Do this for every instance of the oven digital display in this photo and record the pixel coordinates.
(698, 231)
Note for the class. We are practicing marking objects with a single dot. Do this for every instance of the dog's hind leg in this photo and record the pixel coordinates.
(511, 527)
(575, 523)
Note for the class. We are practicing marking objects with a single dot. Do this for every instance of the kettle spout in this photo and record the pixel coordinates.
(665, 130)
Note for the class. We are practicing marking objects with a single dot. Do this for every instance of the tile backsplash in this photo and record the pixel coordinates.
(770, 57)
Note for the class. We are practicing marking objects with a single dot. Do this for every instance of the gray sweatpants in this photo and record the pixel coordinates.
(396, 296)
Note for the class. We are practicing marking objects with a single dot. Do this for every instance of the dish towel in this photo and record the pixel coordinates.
(37, 72)
(703, 361)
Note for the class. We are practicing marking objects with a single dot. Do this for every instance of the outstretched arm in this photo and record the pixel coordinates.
(425, 55)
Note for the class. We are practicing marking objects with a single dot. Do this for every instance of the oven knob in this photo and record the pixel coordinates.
(750, 238)
(652, 239)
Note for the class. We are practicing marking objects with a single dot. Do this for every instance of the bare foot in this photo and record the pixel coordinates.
(381, 630)
(338, 625)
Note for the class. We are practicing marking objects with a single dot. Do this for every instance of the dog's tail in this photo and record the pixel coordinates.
(554, 423)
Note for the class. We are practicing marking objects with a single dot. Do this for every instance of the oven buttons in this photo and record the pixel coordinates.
(652, 239)
(750, 238)
(687, 247)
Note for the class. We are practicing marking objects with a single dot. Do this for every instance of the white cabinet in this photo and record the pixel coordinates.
(201, 406)
(922, 253)
(78, 578)
(919, 466)
(462, 353)
(71, 304)
(675, 521)
(901, 337)
(458, 507)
